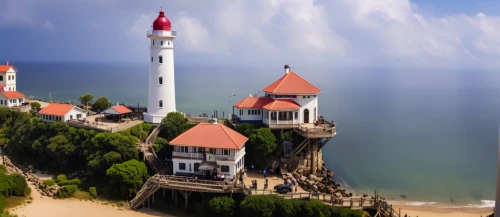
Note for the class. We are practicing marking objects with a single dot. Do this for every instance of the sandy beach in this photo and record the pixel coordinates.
(429, 211)
(48, 207)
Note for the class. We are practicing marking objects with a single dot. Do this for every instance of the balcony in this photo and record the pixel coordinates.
(161, 33)
(188, 155)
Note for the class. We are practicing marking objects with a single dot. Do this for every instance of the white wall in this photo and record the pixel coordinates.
(165, 91)
(73, 113)
(10, 102)
(176, 162)
(307, 103)
(246, 117)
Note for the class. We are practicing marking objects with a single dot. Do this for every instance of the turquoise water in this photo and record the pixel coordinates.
(428, 134)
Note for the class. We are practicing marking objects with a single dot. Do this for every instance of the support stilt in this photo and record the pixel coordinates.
(176, 198)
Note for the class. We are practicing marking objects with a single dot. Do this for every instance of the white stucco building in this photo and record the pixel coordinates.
(291, 100)
(161, 87)
(9, 96)
(209, 146)
(61, 112)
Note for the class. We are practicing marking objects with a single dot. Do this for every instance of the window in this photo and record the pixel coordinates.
(160, 103)
(152, 59)
(225, 151)
(182, 166)
(184, 149)
(13, 77)
(1, 78)
(1, 102)
(160, 59)
(253, 112)
(161, 43)
(160, 80)
(296, 115)
(224, 169)
(78, 116)
(258, 111)
(212, 151)
(71, 117)
(196, 167)
(308, 97)
(197, 150)
(248, 112)
(168, 42)
(303, 97)
(153, 42)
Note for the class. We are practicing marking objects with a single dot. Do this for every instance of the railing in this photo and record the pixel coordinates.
(161, 33)
(188, 155)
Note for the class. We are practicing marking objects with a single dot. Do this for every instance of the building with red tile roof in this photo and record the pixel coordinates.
(118, 110)
(289, 101)
(209, 146)
(9, 96)
(61, 112)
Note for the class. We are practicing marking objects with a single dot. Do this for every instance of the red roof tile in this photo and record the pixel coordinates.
(56, 109)
(121, 109)
(282, 104)
(5, 68)
(12, 94)
(253, 102)
(210, 136)
(291, 83)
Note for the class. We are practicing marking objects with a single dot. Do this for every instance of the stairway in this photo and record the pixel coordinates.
(149, 152)
(150, 187)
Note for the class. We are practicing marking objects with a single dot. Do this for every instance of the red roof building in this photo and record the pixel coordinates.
(289, 101)
(61, 112)
(118, 110)
(213, 148)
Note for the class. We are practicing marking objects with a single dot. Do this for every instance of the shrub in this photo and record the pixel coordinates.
(67, 191)
(258, 205)
(315, 208)
(93, 192)
(74, 181)
(2, 169)
(49, 182)
(285, 208)
(61, 177)
(221, 206)
(345, 212)
(2, 203)
(17, 184)
(27, 191)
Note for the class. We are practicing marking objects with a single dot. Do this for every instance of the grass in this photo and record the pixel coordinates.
(14, 201)
(82, 195)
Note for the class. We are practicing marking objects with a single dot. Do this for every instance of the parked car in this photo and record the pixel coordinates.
(283, 189)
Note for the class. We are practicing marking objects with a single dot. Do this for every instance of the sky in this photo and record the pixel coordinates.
(352, 33)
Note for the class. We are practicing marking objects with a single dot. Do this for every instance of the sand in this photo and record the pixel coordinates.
(42, 206)
(429, 211)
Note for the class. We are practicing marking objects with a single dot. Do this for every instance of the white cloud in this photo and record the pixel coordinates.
(47, 25)
(352, 32)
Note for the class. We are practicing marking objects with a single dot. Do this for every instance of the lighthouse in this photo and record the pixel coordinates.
(161, 85)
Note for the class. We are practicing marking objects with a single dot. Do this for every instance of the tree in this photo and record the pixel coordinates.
(263, 144)
(102, 103)
(222, 206)
(284, 208)
(86, 99)
(173, 125)
(126, 178)
(35, 105)
(258, 205)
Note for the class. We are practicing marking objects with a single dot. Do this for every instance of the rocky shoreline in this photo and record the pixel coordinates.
(40, 186)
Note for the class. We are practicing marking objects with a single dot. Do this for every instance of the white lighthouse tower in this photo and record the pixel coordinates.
(161, 89)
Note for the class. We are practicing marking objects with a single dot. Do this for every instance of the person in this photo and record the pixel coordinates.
(252, 167)
(331, 199)
(264, 171)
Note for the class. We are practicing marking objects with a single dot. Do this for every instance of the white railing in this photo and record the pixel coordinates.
(161, 33)
(188, 155)
(280, 122)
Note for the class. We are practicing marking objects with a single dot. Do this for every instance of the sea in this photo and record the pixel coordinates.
(414, 135)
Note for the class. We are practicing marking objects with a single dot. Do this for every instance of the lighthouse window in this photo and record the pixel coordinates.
(161, 42)
(160, 103)
(160, 80)
(160, 59)
(168, 42)
(151, 59)
(153, 42)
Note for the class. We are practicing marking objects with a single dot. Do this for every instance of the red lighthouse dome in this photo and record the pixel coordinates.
(162, 22)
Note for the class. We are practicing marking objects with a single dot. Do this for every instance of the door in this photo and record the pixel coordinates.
(306, 116)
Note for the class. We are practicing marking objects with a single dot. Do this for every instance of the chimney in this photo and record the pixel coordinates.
(117, 103)
(7, 63)
(287, 69)
(214, 120)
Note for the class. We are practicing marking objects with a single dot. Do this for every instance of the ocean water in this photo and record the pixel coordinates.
(428, 134)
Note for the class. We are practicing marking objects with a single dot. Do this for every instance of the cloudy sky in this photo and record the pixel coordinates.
(441, 33)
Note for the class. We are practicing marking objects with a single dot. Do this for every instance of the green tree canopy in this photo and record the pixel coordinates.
(101, 103)
(173, 125)
(221, 206)
(258, 205)
(127, 178)
(262, 145)
(35, 105)
(86, 99)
